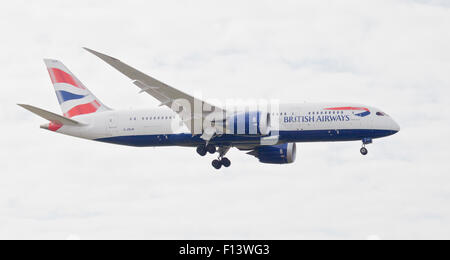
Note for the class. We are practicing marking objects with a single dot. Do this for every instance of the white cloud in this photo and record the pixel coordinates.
(391, 54)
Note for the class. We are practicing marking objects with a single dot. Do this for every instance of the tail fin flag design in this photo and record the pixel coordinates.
(73, 97)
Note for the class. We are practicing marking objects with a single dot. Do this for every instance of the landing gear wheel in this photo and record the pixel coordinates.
(216, 164)
(225, 162)
(211, 148)
(363, 150)
(201, 150)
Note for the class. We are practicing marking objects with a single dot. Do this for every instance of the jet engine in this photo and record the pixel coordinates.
(275, 154)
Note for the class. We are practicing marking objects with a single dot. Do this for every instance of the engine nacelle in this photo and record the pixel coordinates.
(276, 154)
(249, 123)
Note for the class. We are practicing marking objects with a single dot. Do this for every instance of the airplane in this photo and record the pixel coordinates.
(270, 134)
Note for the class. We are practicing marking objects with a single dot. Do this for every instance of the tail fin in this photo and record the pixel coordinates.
(73, 97)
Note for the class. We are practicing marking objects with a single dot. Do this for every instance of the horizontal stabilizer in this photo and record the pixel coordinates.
(52, 117)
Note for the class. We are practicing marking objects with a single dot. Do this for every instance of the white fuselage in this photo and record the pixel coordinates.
(292, 123)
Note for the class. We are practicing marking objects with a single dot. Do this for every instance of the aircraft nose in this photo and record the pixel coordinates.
(395, 126)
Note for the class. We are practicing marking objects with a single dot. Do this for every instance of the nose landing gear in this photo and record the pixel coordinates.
(363, 149)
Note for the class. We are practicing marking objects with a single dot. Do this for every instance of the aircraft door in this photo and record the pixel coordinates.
(112, 128)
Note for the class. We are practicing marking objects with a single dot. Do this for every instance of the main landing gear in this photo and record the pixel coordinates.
(363, 149)
(202, 150)
(218, 163)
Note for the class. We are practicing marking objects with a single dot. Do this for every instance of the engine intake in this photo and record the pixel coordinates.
(276, 154)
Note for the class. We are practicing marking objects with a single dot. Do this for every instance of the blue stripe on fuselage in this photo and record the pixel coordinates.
(64, 96)
(363, 114)
(285, 136)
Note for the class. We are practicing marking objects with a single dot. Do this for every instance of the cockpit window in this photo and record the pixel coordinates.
(381, 113)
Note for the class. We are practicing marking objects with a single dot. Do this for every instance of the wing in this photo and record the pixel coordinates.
(188, 107)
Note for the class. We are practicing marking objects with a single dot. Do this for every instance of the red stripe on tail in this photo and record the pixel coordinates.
(54, 126)
(83, 109)
(59, 76)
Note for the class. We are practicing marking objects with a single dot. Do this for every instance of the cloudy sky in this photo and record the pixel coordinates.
(391, 54)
